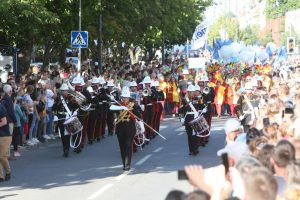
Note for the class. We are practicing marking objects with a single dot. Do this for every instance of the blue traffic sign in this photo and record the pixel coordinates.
(79, 39)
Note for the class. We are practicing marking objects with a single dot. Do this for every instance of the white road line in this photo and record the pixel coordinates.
(158, 150)
(140, 162)
(179, 129)
(180, 133)
(100, 191)
(120, 177)
(162, 127)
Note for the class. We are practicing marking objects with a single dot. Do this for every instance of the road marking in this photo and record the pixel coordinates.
(158, 150)
(115, 167)
(179, 129)
(217, 129)
(120, 177)
(180, 133)
(100, 191)
(140, 162)
(162, 127)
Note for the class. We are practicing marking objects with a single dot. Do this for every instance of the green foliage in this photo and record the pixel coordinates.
(227, 23)
(48, 23)
(278, 8)
(249, 34)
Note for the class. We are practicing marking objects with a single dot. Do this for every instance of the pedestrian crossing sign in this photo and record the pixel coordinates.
(79, 39)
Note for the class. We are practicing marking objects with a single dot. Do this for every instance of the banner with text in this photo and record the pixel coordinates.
(200, 36)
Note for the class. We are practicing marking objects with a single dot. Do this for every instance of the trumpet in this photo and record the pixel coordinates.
(206, 90)
(146, 92)
(80, 98)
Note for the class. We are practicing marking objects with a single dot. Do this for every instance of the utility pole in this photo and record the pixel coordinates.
(99, 42)
(79, 49)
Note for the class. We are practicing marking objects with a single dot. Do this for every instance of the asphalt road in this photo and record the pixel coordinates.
(96, 173)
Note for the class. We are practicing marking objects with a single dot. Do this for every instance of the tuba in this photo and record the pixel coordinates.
(80, 98)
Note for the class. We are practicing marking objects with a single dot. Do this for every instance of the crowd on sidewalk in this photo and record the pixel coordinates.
(262, 145)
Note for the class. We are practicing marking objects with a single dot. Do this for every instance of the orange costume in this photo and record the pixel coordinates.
(232, 99)
(219, 98)
(172, 96)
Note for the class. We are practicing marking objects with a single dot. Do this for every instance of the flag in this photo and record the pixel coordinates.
(200, 36)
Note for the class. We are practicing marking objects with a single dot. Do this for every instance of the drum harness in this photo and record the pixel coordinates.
(69, 115)
(196, 114)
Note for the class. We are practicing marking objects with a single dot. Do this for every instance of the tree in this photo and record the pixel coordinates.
(249, 34)
(226, 23)
(268, 38)
(278, 8)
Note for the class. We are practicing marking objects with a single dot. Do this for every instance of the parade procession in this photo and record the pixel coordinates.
(173, 99)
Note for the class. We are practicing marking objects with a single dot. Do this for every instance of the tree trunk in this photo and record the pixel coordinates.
(24, 57)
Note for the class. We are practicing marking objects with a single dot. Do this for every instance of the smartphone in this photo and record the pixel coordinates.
(182, 175)
(266, 122)
(225, 162)
(289, 111)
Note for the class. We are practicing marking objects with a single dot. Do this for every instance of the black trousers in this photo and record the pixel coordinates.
(157, 117)
(125, 132)
(192, 139)
(16, 138)
(148, 117)
(110, 122)
(101, 122)
(91, 125)
(65, 139)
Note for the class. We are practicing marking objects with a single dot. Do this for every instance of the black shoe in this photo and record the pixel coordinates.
(1, 179)
(126, 168)
(190, 153)
(91, 142)
(78, 151)
(7, 176)
(66, 153)
(195, 153)
(98, 139)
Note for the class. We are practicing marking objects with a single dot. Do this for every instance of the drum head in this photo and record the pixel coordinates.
(69, 120)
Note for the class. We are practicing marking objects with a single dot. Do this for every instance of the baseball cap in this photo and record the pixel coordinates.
(232, 125)
(235, 149)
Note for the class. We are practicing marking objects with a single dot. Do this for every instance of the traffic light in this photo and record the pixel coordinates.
(291, 45)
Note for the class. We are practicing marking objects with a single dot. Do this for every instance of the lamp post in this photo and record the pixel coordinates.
(79, 50)
(99, 42)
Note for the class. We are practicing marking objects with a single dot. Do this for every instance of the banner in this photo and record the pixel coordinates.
(195, 63)
(200, 36)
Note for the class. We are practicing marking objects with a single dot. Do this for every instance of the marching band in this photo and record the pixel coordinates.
(85, 108)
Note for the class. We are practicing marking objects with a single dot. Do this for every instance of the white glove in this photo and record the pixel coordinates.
(204, 110)
(124, 108)
(142, 107)
(75, 113)
(142, 127)
(182, 120)
(111, 97)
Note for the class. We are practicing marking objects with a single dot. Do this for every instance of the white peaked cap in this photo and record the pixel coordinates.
(76, 80)
(204, 78)
(197, 88)
(232, 125)
(156, 84)
(95, 80)
(133, 84)
(125, 92)
(147, 79)
(64, 86)
(101, 80)
(90, 89)
(191, 88)
(110, 84)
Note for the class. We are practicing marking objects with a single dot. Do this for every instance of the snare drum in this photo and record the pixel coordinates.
(199, 125)
(73, 125)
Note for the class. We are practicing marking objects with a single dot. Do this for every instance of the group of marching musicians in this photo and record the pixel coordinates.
(98, 105)
(196, 114)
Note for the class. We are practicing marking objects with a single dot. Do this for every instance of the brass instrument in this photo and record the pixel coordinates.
(80, 98)
(146, 92)
(124, 114)
(206, 90)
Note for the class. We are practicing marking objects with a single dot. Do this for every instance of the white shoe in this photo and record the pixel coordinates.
(17, 154)
(35, 140)
(30, 143)
(46, 137)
